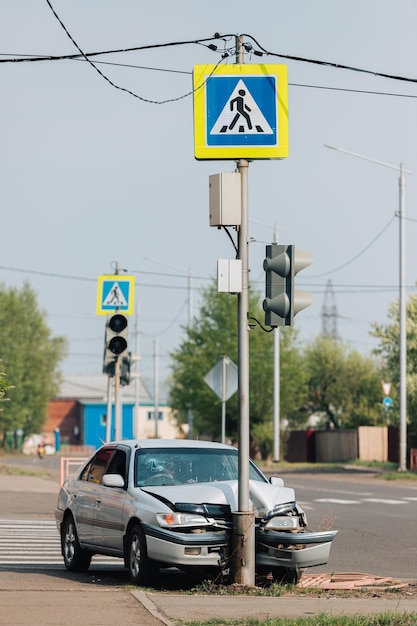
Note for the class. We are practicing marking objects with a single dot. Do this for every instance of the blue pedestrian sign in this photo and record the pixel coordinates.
(240, 111)
(115, 293)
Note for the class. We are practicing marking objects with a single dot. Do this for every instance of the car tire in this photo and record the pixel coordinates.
(75, 559)
(287, 575)
(141, 569)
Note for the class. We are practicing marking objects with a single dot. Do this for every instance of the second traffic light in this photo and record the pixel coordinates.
(115, 341)
(282, 301)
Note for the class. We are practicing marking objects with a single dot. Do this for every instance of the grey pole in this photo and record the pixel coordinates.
(190, 325)
(402, 466)
(136, 411)
(117, 403)
(403, 329)
(109, 409)
(156, 385)
(277, 374)
(243, 561)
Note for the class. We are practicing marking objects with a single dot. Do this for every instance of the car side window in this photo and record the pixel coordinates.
(118, 464)
(96, 469)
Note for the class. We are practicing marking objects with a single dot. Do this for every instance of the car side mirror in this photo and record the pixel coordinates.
(113, 480)
(276, 482)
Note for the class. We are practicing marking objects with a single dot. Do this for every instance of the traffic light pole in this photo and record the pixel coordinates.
(117, 404)
(109, 410)
(243, 557)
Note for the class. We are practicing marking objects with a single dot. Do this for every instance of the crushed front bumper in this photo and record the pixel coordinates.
(286, 549)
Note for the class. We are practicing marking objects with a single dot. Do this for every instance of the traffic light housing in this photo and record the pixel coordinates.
(126, 373)
(282, 301)
(115, 341)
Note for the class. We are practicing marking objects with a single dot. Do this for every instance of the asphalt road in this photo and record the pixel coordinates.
(377, 521)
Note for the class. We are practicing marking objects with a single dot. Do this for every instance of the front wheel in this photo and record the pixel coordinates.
(141, 569)
(287, 575)
(75, 559)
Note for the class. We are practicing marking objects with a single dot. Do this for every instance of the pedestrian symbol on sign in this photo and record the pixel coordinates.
(241, 114)
(115, 297)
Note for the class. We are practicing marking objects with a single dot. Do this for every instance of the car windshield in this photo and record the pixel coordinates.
(179, 466)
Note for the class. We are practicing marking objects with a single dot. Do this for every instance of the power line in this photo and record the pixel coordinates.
(118, 86)
(327, 63)
(356, 256)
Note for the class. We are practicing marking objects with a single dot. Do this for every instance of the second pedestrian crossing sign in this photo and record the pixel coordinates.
(240, 112)
(115, 293)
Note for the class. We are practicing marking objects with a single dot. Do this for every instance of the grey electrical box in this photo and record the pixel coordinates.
(229, 275)
(225, 199)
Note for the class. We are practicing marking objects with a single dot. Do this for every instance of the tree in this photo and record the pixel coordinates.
(214, 334)
(4, 387)
(389, 349)
(344, 386)
(31, 356)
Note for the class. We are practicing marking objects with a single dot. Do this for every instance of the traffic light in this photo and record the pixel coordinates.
(126, 373)
(282, 301)
(115, 341)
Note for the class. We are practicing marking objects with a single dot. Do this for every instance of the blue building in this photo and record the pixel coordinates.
(80, 413)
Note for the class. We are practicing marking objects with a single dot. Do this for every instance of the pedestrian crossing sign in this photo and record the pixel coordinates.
(240, 112)
(115, 293)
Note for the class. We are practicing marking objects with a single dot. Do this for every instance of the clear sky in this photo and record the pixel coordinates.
(91, 175)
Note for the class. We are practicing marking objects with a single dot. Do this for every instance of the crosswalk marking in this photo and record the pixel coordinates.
(373, 500)
(36, 543)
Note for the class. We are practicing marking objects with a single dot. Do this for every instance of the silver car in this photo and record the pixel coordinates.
(169, 503)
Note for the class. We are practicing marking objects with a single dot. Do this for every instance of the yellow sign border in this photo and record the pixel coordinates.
(120, 279)
(201, 74)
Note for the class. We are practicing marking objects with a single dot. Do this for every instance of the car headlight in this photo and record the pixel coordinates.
(173, 520)
(282, 523)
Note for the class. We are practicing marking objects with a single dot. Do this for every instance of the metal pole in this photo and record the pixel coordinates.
(190, 325)
(109, 410)
(277, 374)
(156, 385)
(243, 562)
(224, 387)
(403, 329)
(117, 405)
(136, 411)
(402, 465)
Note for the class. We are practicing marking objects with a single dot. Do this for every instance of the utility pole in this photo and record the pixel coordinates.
(402, 467)
(277, 372)
(136, 411)
(243, 560)
(156, 384)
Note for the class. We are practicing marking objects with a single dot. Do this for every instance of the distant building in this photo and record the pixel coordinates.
(78, 413)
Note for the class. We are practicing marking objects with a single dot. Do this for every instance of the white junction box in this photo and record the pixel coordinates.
(225, 199)
(229, 275)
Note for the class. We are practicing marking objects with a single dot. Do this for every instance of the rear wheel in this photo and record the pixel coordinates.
(75, 559)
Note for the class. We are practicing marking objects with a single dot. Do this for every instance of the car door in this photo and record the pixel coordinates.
(109, 503)
(89, 489)
(87, 492)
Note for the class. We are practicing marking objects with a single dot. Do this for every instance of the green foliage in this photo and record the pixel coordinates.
(387, 618)
(344, 386)
(4, 387)
(30, 356)
(389, 349)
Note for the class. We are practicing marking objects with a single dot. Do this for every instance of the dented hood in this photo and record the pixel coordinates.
(263, 496)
